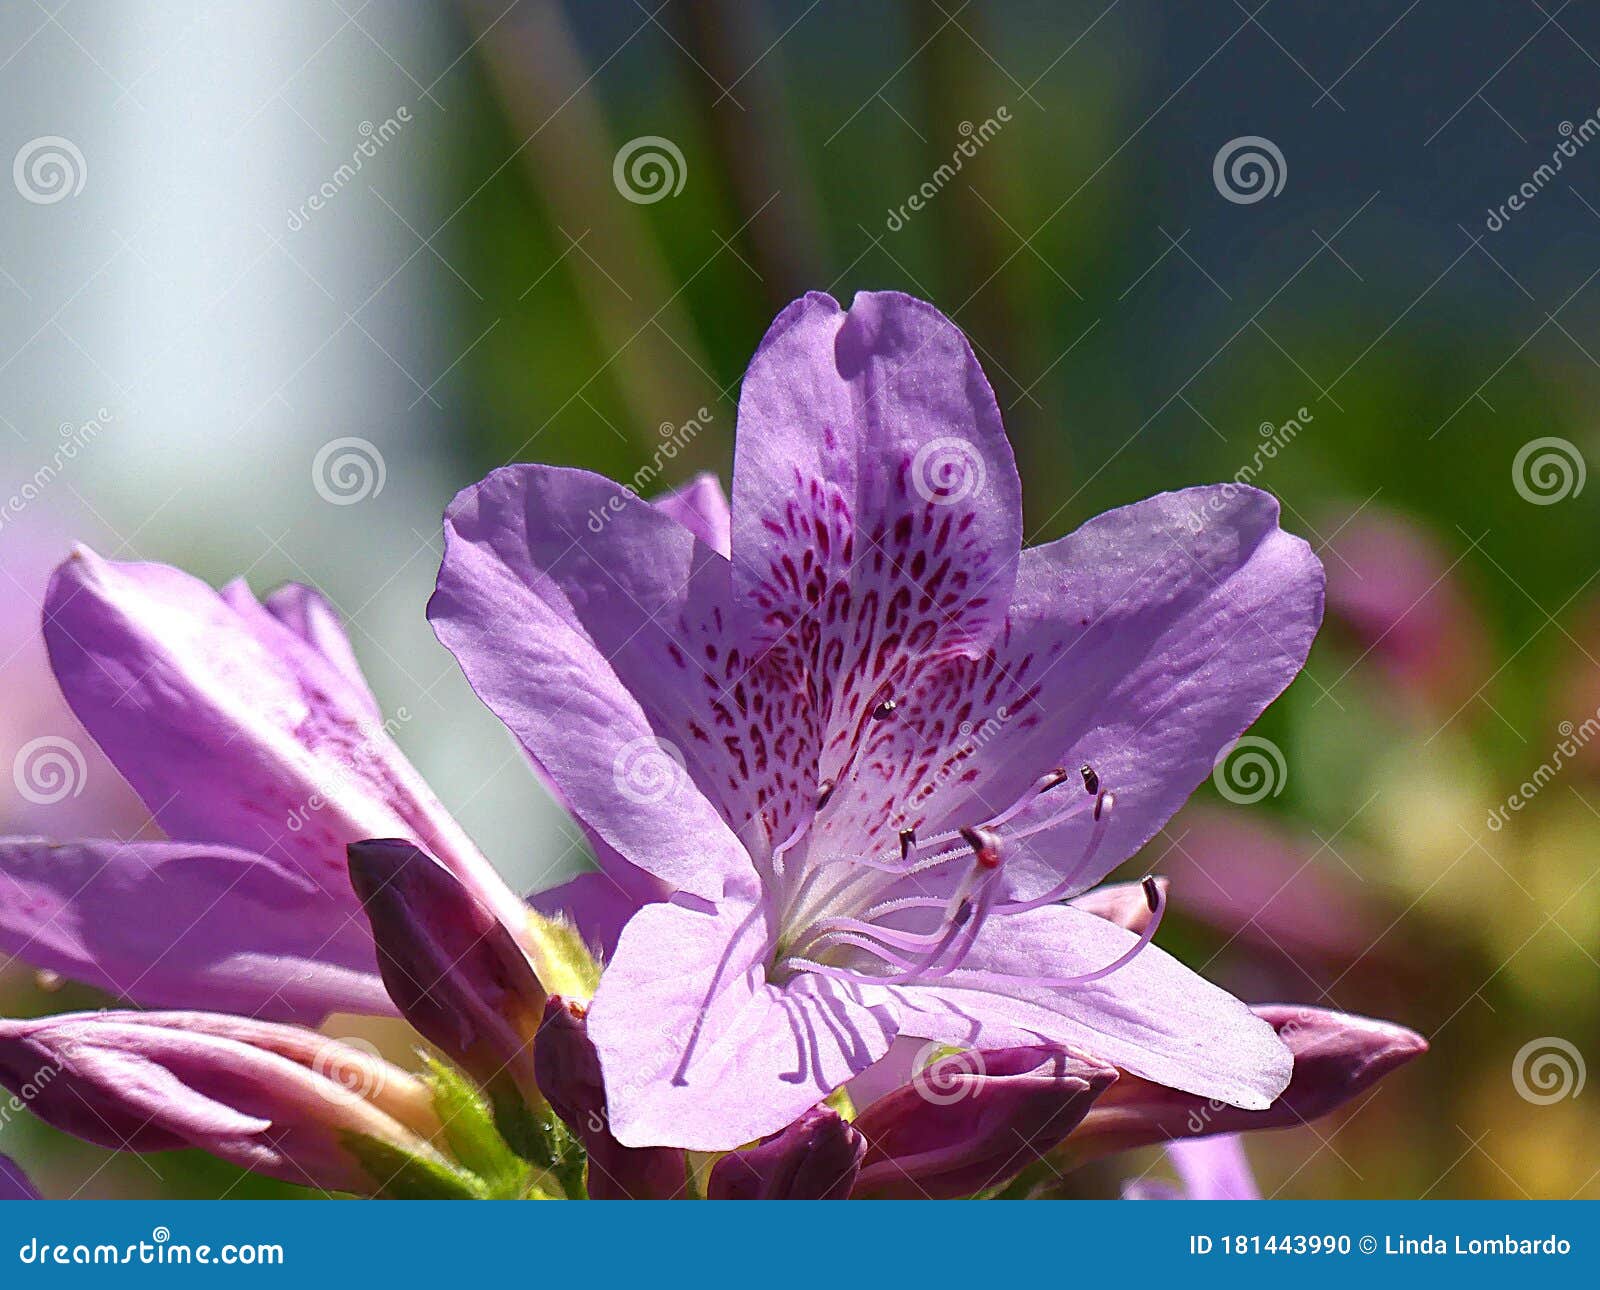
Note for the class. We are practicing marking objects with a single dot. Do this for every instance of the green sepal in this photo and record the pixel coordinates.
(399, 1174)
(471, 1132)
(564, 964)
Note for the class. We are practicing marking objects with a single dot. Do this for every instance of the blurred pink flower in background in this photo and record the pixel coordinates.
(1396, 595)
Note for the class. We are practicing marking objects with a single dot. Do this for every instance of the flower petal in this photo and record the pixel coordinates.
(172, 924)
(701, 507)
(700, 1050)
(594, 626)
(1153, 1016)
(876, 518)
(232, 728)
(1140, 645)
(599, 905)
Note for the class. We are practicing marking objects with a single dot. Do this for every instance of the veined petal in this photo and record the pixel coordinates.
(876, 515)
(1140, 645)
(1153, 1016)
(700, 1050)
(232, 728)
(171, 924)
(594, 626)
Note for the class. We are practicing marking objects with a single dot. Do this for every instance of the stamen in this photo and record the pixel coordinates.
(1073, 880)
(884, 710)
(824, 793)
(908, 842)
(1091, 781)
(1099, 804)
(1057, 776)
(985, 844)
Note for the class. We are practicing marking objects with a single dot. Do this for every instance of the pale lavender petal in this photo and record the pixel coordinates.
(701, 507)
(307, 613)
(700, 1050)
(594, 625)
(235, 730)
(599, 905)
(172, 924)
(14, 1184)
(1153, 1017)
(1214, 1168)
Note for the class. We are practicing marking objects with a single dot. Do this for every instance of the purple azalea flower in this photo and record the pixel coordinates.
(864, 742)
(1209, 1169)
(14, 1184)
(248, 731)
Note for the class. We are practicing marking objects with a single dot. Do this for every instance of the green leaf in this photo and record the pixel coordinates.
(563, 962)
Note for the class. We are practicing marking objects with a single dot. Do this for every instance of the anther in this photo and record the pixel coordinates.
(985, 845)
(1152, 892)
(824, 793)
(908, 839)
(1091, 781)
(1058, 776)
(884, 710)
